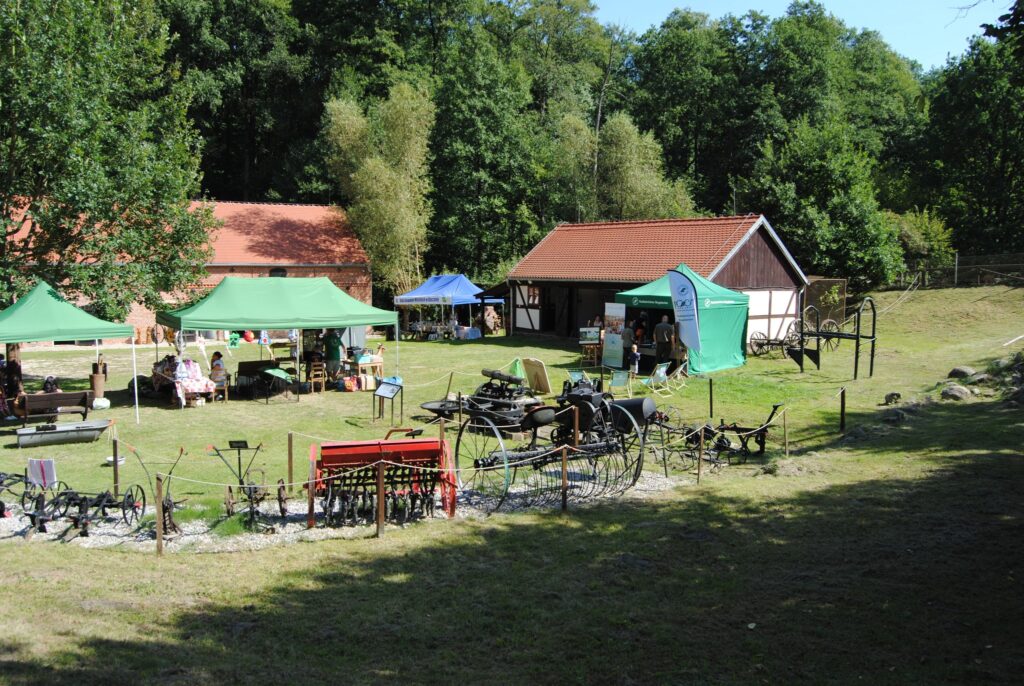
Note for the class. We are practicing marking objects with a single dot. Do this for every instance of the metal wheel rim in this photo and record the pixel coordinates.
(479, 437)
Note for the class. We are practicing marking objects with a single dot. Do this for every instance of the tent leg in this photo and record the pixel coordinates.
(397, 359)
(135, 381)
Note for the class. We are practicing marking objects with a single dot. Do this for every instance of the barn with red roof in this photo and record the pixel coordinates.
(566, 279)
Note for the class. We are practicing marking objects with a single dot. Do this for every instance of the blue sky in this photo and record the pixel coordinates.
(924, 30)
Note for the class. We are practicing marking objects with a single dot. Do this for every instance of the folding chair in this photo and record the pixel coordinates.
(658, 382)
(621, 379)
(677, 379)
(576, 375)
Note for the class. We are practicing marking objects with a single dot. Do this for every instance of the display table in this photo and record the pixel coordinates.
(372, 368)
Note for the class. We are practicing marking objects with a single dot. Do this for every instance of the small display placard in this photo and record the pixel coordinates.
(387, 390)
(238, 445)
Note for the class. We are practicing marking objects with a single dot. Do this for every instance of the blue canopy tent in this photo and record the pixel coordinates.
(446, 289)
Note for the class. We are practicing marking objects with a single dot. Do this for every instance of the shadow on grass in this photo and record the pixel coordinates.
(894, 581)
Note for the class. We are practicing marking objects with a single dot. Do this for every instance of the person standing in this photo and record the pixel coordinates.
(333, 346)
(664, 339)
(628, 339)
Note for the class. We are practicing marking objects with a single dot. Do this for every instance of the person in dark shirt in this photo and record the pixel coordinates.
(664, 339)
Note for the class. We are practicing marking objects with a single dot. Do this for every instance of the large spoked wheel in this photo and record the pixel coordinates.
(758, 343)
(482, 463)
(793, 334)
(133, 506)
(631, 439)
(28, 496)
(830, 326)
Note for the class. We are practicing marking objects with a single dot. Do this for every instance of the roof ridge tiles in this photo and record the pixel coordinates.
(625, 222)
(261, 203)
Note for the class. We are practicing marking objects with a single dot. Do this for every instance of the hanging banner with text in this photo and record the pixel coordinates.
(614, 320)
(684, 304)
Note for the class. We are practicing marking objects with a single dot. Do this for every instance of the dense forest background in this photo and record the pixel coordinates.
(456, 133)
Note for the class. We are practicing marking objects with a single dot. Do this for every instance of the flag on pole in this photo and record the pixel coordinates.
(684, 304)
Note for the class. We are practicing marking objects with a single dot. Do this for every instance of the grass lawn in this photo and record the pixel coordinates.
(893, 558)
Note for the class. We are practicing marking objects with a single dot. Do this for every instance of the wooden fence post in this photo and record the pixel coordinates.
(117, 474)
(291, 462)
(565, 479)
(700, 454)
(380, 499)
(785, 434)
(159, 515)
(842, 410)
(575, 426)
(711, 398)
(310, 487)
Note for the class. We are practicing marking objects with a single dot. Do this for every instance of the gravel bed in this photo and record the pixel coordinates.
(197, 536)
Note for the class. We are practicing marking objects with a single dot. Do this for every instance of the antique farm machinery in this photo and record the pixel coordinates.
(590, 443)
(85, 508)
(670, 438)
(762, 344)
(827, 335)
(409, 473)
(502, 394)
(19, 486)
(252, 485)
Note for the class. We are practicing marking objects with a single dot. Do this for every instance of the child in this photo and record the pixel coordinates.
(633, 359)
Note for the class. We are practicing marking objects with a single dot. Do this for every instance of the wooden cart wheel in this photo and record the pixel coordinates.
(758, 343)
(792, 337)
(134, 505)
(830, 326)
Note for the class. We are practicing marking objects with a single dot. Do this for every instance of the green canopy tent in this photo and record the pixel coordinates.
(43, 315)
(277, 303)
(721, 313)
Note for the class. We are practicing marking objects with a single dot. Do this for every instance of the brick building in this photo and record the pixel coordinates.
(270, 239)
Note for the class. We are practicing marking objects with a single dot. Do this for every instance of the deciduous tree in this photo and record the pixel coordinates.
(98, 158)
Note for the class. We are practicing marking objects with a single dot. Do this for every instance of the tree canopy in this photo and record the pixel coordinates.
(544, 115)
(99, 158)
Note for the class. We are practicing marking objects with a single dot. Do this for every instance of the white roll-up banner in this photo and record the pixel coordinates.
(684, 304)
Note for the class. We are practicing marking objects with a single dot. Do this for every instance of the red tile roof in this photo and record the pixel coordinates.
(632, 251)
(269, 233)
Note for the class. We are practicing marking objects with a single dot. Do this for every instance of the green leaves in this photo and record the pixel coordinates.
(100, 160)
(380, 160)
(817, 190)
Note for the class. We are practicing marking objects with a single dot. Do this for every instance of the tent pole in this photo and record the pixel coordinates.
(97, 342)
(398, 360)
(135, 381)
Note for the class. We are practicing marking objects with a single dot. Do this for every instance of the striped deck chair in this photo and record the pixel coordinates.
(658, 382)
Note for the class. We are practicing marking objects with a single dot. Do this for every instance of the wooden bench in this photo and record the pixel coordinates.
(52, 404)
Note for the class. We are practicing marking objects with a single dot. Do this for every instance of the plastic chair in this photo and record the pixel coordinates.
(621, 379)
(658, 382)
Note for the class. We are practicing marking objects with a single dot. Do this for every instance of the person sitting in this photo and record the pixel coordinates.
(14, 389)
(50, 385)
(218, 373)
